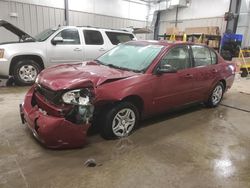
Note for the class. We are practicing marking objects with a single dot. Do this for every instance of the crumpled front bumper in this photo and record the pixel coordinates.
(51, 131)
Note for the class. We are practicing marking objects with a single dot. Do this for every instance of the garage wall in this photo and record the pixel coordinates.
(199, 13)
(33, 16)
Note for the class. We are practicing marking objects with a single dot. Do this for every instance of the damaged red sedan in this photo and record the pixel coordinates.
(132, 81)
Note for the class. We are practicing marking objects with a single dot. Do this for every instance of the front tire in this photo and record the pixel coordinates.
(216, 96)
(25, 72)
(119, 121)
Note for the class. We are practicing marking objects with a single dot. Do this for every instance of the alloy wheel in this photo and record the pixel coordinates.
(123, 122)
(217, 94)
(28, 73)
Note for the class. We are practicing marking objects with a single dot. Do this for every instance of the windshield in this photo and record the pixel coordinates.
(134, 57)
(45, 34)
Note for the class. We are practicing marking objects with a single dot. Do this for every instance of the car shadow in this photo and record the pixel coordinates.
(150, 121)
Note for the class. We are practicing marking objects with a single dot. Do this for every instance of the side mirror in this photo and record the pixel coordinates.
(57, 40)
(165, 69)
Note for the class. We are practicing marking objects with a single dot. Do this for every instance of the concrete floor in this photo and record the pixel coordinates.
(195, 147)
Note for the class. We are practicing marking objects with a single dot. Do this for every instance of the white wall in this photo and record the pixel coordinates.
(133, 9)
(115, 8)
(33, 16)
(199, 13)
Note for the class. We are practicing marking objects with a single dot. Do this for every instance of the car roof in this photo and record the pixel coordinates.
(97, 28)
(163, 43)
(159, 42)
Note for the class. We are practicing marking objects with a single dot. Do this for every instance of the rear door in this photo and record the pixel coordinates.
(69, 50)
(205, 69)
(174, 89)
(94, 44)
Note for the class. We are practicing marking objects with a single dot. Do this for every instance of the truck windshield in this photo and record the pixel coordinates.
(45, 34)
(134, 57)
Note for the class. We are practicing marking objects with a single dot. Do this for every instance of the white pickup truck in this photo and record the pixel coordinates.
(25, 58)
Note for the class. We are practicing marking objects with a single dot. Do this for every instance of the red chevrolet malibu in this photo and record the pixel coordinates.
(132, 81)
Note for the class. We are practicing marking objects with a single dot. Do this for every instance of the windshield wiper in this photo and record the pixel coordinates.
(113, 66)
(122, 68)
(98, 61)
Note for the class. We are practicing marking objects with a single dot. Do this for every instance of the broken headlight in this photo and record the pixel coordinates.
(83, 110)
(77, 97)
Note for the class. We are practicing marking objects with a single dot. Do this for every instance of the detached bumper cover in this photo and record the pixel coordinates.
(53, 132)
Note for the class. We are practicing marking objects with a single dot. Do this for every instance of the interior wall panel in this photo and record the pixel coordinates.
(33, 21)
(35, 18)
(39, 11)
(45, 17)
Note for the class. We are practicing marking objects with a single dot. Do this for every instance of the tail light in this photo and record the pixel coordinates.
(232, 68)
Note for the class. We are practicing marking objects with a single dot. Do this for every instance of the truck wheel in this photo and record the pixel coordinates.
(216, 96)
(25, 72)
(119, 121)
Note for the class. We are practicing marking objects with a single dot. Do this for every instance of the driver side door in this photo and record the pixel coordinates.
(174, 88)
(68, 50)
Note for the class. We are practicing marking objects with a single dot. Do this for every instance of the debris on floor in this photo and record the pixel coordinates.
(5, 82)
(90, 163)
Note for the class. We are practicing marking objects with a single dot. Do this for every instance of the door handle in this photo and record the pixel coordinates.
(214, 70)
(102, 50)
(188, 76)
(77, 50)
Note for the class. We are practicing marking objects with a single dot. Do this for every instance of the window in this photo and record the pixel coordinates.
(70, 36)
(201, 55)
(177, 58)
(45, 34)
(93, 37)
(213, 57)
(117, 38)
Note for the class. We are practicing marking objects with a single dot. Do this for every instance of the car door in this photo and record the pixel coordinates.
(66, 51)
(205, 69)
(174, 88)
(95, 44)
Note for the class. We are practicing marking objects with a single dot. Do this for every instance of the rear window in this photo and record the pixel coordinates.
(116, 37)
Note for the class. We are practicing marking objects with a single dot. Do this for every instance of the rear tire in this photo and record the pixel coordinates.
(119, 121)
(25, 72)
(216, 96)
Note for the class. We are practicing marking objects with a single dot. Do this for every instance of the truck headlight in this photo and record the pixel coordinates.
(77, 97)
(1, 53)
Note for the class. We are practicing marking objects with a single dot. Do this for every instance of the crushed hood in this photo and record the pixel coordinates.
(21, 34)
(72, 76)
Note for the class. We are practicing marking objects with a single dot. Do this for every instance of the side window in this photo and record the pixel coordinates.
(93, 37)
(117, 38)
(69, 36)
(201, 55)
(213, 57)
(177, 58)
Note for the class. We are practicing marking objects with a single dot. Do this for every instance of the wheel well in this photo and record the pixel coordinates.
(22, 57)
(135, 100)
(224, 83)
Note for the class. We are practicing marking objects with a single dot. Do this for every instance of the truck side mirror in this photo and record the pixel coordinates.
(57, 40)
